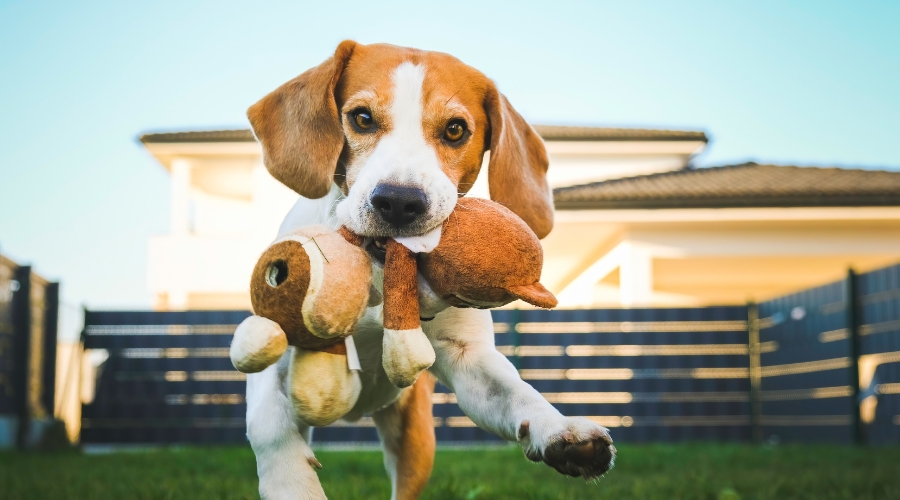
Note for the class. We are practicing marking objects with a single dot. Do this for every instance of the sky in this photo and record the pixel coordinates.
(808, 83)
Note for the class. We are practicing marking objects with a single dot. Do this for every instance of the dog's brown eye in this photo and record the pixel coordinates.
(455, 130)
(363, 119)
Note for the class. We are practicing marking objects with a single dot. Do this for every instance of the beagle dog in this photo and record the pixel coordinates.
(384, 140)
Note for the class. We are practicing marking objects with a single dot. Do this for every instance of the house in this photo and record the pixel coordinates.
(721, 235)
(636, 224)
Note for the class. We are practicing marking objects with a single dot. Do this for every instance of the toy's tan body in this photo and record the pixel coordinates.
(323, 387)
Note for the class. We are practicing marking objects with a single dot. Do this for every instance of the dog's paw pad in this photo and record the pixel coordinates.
(581, 449)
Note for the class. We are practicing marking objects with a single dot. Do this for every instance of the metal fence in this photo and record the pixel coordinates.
(8, 367)
(878, 333)
(29, 307)
(805, 378)
(168, 378)
(786, 368)
(834, 372)
(651, 374)
(656, 374)
(8, 404)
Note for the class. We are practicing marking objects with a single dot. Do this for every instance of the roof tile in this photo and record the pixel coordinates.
(744, 185)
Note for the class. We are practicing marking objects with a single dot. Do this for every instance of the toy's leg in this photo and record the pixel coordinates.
(406, 351)
(284, 461)
(407, 435)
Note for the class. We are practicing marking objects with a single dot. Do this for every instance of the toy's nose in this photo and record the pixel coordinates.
(398, 205)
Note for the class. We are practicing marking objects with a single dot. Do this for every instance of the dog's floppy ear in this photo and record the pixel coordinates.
(517, 171)
(299, 127)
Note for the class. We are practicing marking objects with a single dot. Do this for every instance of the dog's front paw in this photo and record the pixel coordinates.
(573, 446)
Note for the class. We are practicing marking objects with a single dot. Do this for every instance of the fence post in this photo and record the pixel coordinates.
(21, 319)
(51, 330)
(755, 372)
(514, 337)
(853, 318)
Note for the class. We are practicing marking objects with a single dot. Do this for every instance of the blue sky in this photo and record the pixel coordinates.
(811, 83)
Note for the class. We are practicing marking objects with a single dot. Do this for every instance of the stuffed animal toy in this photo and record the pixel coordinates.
(486, 257)
(308, 290)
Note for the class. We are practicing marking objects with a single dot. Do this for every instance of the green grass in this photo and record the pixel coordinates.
(694, 471)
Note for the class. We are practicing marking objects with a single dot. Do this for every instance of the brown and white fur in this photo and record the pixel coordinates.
(313, 142)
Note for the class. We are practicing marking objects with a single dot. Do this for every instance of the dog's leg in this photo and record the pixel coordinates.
(406, 428)
(489, 390)
(284, 461)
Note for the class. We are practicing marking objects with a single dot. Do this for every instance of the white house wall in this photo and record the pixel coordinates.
(220, 216)
(220, 225)
(711, 260)
(774, 238)
(182, 265)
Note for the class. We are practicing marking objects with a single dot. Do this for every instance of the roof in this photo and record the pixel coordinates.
(744, 185)
(242, 135)
(548, 132)
(560, 133)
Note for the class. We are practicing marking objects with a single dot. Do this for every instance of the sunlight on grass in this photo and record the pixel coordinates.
(693, 471)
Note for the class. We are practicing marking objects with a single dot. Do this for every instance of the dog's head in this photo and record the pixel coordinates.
(403, 133)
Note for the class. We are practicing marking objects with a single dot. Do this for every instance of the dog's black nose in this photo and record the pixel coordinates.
(398, 205)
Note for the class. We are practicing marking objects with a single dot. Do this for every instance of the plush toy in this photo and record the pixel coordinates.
(311, 288)
(308, 290)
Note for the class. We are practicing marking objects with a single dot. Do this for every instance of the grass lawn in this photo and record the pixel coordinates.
(694, 471)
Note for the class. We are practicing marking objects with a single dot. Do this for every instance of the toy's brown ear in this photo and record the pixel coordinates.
(517, 171)
(299, 127)
(535, 294)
